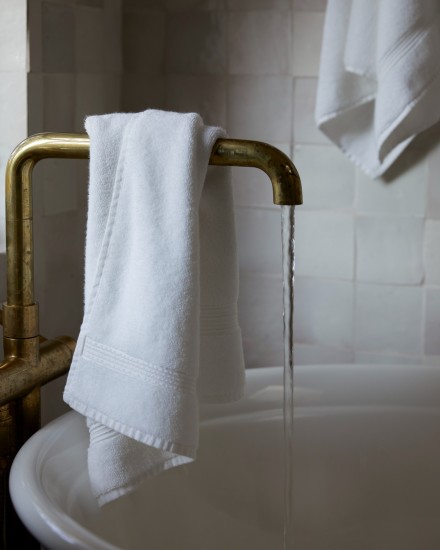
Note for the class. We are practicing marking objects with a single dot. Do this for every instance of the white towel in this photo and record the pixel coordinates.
(161, 288)
(379, 82)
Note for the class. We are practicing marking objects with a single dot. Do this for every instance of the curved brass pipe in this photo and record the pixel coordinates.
(29, 362)
(18, 191)
(286, 183)
(232, 152)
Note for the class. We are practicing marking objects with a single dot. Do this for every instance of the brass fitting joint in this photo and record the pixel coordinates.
(20, 321)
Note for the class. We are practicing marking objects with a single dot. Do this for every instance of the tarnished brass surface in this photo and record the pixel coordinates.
(22, 348)
(31, 360)
(19, 243)
(20, 321)
(18, 377)
(20, 316)
(285, 179)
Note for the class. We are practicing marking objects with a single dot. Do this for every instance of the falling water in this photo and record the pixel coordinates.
(288, 240)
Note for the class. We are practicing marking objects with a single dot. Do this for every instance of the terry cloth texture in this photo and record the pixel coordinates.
(379, 82)
(160, 327)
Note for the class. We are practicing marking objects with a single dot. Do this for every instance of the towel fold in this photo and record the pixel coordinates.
(161, 289)
(379, 77)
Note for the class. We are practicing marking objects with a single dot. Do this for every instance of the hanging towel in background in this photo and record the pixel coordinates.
(160, 328)
(379, 79)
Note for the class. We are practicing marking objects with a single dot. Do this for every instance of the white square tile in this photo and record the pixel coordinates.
(59, 186)
(307, 40)
(426, 139)
(144, 42)
(59, 102)
(324, 244)
(194, 5)
(139, 6)
(275, 5)
(96, 94)
(13, 108)
(389, 250)
(59, 48)
(432, 322)
(205, 95)
(196, 43)
(389, 319)
(90, 43)
(327, 176)
(259, 43)
(252, 186)
(35, 95)
(309, 5)
(404, 194)
(431, 252)
(324, 311)
(434, 183)
(61, 290)
(260, 108)
(35, 36)
(259, 240)
(322, 355)
(113, 30)
(94, 3)
(260, 308)
(140, 92)
(305, 129)
(13, 41)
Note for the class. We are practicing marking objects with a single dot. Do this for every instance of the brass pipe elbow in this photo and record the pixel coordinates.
(286, 183)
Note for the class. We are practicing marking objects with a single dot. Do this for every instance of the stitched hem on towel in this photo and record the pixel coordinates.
(138, 435)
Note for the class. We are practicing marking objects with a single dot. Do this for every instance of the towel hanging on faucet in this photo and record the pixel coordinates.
(379, 78)
(160, 327)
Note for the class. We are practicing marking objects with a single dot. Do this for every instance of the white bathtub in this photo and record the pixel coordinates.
(367, 472)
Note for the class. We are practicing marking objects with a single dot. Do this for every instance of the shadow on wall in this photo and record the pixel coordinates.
(419, 149)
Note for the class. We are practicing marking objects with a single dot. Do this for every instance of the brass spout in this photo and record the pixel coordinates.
(285, 179)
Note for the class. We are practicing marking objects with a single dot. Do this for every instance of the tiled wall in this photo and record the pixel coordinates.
(368, 252)
(75, 70)
(13, 102)
(13, 90)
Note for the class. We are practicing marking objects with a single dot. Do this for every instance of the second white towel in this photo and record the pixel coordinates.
(160, 328)
(379, 79)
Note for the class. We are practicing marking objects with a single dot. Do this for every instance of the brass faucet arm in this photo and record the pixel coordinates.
(285, 179)
(31, 361)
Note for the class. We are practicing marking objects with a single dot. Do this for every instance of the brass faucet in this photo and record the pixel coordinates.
(31, 360)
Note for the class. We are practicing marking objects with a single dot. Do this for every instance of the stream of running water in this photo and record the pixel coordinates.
(288, 243)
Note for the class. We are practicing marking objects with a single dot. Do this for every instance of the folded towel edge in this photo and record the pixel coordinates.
(143, 437)
(113, 494)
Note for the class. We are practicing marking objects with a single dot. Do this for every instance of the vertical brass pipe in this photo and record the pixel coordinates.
(19, 239)
(20, 313)
(21, 418)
